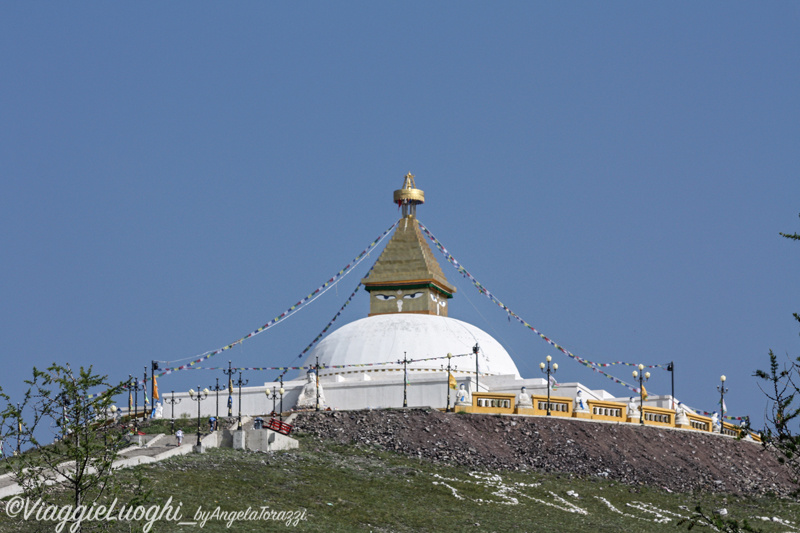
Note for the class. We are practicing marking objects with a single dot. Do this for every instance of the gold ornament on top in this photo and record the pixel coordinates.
(407, 278)
(409, 196)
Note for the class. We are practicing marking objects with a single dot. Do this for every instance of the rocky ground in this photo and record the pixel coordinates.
(680, 461)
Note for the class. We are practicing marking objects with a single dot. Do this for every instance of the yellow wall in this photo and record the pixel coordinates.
(503, 403)
(659, 416)
(559, 406)
(701, 420)
(610, 411)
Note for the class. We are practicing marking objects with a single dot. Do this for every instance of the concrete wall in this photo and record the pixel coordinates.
(425, 389)
(264, 440)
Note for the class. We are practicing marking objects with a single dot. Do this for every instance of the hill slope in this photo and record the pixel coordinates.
(680, 461)
(340, 488)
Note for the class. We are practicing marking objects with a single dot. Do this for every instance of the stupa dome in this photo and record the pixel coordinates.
(382, 338)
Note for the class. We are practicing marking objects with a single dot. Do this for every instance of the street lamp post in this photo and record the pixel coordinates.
(217, 388)
(64, 404)
(132, 387)
(671, 370)
(173, 401)
(642, 376)
(144, 393)
(136, 388)
(274, 398)
(475, 350)
(198, 397)
(281, 391)
(548, 371)
(405, 379)
(239, 382)
(722, 390)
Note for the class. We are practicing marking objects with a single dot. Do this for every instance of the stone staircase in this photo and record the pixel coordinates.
(152, 448)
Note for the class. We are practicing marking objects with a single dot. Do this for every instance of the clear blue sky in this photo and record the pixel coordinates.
(175, 175)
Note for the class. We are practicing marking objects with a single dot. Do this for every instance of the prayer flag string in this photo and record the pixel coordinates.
(711, 413)
(290, 311)
(483, 290)
(328, 326)
(589, 364)
(308, 367)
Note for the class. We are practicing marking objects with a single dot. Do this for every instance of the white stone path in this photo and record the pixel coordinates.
(159, 447)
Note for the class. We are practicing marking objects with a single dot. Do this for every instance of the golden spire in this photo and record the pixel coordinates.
(409, 196)
(406, 278)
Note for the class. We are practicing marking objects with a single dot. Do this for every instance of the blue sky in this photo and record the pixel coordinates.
(176, 175)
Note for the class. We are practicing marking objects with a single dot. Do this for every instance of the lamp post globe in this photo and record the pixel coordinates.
(216, 388)
(198, 396)
(642, 377)
(547, 369)
(172, 401)
(273, 397)
(722, 390)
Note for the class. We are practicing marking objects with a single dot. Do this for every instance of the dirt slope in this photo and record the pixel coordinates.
(677, 460)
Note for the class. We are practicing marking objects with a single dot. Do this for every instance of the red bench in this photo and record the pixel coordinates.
(276, 425)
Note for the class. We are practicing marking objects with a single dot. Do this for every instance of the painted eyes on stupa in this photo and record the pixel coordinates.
(392, 297)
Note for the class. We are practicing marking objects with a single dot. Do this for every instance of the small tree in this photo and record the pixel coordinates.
(782, 389)
(70, 439)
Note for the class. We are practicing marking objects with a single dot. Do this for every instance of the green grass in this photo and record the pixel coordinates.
(163, 425)
(349, 488)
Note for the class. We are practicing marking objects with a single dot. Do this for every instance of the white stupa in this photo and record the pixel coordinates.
(392, 337)
(409, 297)
(361, 364)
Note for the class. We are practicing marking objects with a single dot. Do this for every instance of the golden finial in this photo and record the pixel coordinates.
(409, 196)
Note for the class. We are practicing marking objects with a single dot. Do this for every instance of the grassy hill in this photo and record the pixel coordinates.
(331, 487)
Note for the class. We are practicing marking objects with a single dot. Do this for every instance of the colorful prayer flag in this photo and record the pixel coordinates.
(452, 381)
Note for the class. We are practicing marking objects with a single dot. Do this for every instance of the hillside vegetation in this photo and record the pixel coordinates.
(342, 485)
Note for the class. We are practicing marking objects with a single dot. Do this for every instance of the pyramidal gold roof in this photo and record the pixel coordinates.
(407, 264)
(407, 259)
